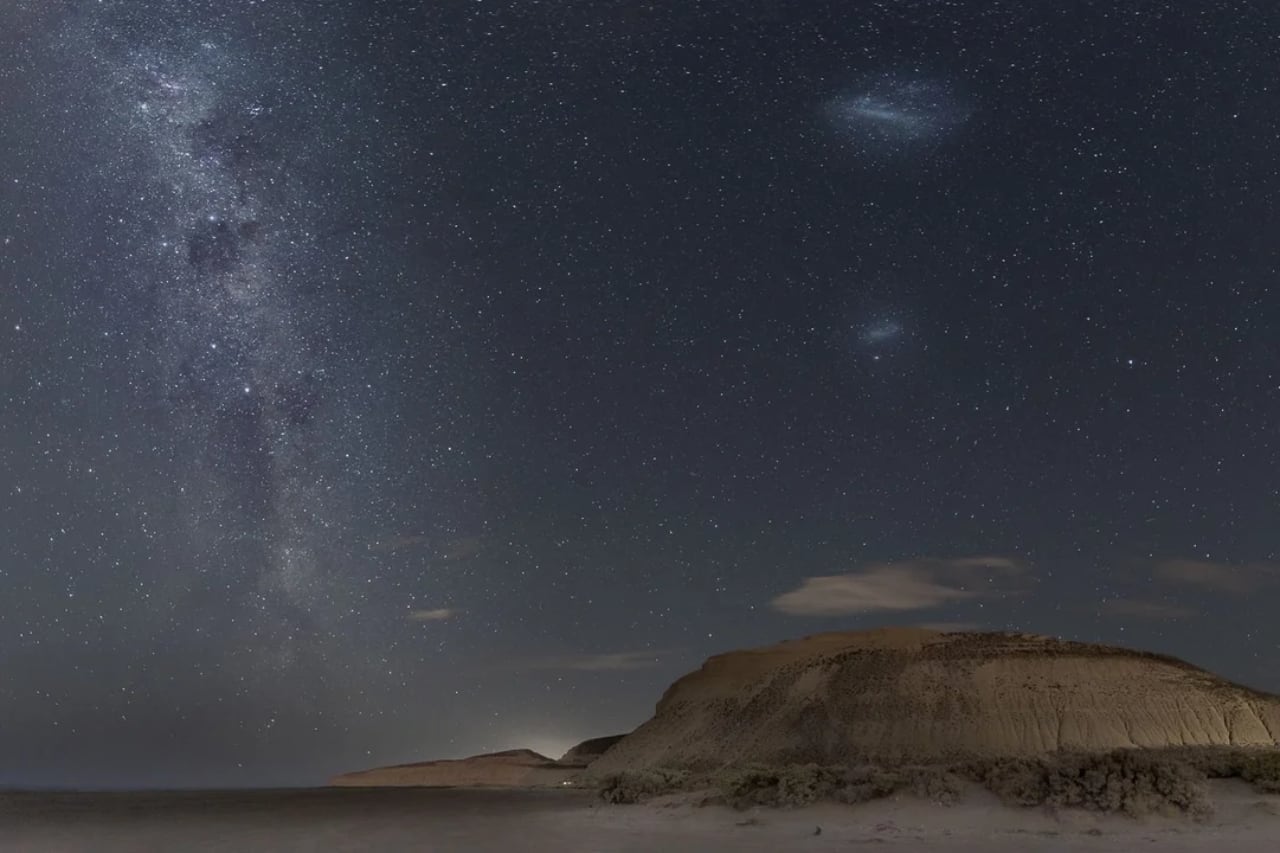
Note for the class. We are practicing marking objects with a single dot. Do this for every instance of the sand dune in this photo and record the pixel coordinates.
(914, 695)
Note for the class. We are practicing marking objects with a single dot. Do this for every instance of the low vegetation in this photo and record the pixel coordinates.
(799, 785)
(1263, 772)
(1134, 782)
(634, 786)
(1259, 767)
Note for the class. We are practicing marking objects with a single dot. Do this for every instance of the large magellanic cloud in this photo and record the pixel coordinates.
(895, 113)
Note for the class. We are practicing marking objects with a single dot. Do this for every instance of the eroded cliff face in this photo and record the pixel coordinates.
(915, 695)
(519, 768)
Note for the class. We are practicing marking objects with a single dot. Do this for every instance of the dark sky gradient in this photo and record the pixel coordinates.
(389, 380)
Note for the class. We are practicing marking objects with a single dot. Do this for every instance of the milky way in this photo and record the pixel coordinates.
(252, 402)
(220, 172)
(241, 366)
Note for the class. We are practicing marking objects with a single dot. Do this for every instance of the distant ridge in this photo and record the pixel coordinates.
(512, 768)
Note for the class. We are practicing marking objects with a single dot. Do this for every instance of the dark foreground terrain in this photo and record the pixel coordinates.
(437, 820)
(320, 819)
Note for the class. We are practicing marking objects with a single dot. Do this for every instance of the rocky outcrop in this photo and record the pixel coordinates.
(894, 695)
(516, 768)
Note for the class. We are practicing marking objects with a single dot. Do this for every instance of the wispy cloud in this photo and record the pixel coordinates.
(952, 627)
(1138, 608)
(909, 585)
(396, 542)
(1235, 578)
(605, 662)
(461, 548)
(440, 614)
(1000, 563)
(449, 549)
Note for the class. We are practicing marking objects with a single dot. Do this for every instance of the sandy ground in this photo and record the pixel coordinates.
(431, 820)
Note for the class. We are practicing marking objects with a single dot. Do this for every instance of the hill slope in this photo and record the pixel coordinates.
(589, 750)
(516, 768)
(905, 694)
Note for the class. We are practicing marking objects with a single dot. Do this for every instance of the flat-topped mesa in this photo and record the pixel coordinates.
(514, 768)
(911, 694)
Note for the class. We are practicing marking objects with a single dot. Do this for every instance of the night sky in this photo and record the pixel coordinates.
(387, 380)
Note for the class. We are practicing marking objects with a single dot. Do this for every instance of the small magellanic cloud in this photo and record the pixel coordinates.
(879, 332)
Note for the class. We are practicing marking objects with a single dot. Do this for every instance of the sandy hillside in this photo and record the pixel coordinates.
(516, 768)
(589, 750)
(894, 695)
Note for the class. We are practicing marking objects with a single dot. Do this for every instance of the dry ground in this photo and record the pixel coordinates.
(431, 820)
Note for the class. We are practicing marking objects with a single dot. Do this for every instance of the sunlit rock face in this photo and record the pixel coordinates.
(918, 695)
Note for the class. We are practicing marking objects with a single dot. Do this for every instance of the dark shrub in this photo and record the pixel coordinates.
(938, 784)
(866, 783)
(633, 786)
(1134, 782)
(798, 785)
(1263, 772)
(1017, 781)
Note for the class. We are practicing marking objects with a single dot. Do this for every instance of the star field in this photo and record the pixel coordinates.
(382, 381)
